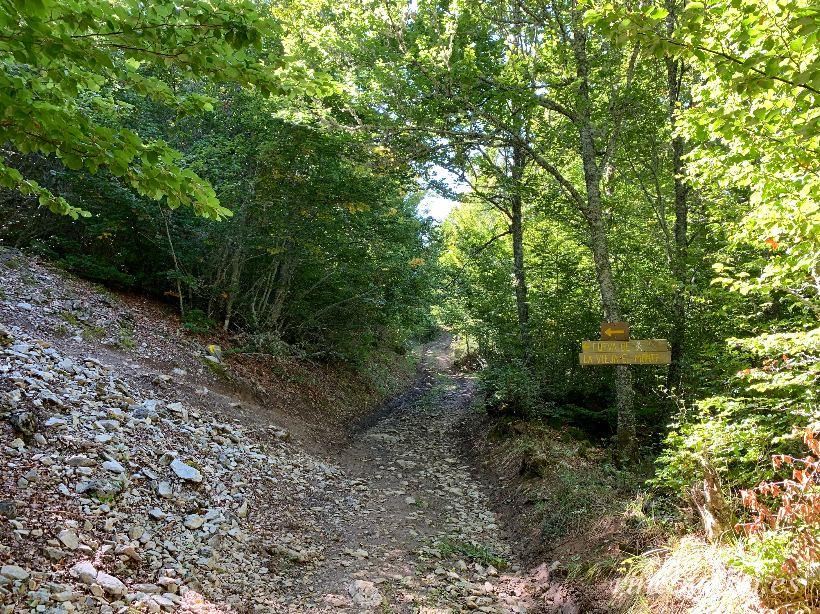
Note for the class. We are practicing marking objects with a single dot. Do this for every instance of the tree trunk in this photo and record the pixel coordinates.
(678, 332)
(627, 447)
(517, 231)
(233, 287)
(176, 262)
(677, 337)
(711, 505)
(626, 440)
(283, 277)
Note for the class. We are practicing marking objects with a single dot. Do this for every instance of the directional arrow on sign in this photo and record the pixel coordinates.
(615, 331)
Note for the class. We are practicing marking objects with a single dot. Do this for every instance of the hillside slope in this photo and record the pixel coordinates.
(137, 473)
(125, 448)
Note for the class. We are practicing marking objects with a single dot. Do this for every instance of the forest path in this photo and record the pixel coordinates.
(422, 536)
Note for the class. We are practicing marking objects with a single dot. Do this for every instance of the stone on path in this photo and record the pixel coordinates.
(69, 539)
(113, 466)
(14, 572)
(110, 584)
(186, 472)
(364, 594)
(85, 571)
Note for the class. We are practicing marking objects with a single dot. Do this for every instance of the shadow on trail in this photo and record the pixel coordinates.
(429, 367)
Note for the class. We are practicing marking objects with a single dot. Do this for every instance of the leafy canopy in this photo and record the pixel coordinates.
(65, 63)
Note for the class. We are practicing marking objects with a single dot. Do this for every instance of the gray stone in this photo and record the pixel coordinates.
(156, 513)
(113, 466)
(69, 538)
(148, 589)
(80, 460)
(194, 521)
(24, 422)
(164, 490)
(242, 510)
(5, 336)
(364, 594)
(8, 508)
(135, 532)
(104, 488)
(84, 571)
(110, 584)
(14, 572)
(186, 472)
(109, 425)
(55, 554)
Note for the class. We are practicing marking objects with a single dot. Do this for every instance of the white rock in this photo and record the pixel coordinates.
(164, 490)
(113, 466)
(85, 571)
(163, 601)
(110, 584)
(149, 589)
(69, 538)
(194, 521)
(156, 513)
(364, 594)
(80, 460)
(186, 472)
(14, 572)
(135, 532)
(62, 596)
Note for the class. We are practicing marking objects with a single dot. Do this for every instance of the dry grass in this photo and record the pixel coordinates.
(693, 576)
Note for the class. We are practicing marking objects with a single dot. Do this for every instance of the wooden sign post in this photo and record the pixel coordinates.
(615, 348)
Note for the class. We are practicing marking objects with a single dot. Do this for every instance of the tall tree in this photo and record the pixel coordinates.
(675, 73)
(474, 70)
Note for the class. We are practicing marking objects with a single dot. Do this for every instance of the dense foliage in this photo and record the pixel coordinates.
(657, 165)
(118, 113)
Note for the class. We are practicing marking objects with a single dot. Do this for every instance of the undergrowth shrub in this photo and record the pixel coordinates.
(783, 535)
(197, 321)
(96, 269)
(577, 498)
(508, 389)
(734, 434)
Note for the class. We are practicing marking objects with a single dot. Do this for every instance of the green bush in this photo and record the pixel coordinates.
(737, 436)
(91, 267)
(196, 321)
(508, 389)
(575, 499)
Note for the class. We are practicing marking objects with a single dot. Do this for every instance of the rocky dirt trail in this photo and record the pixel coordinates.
(423, 538)
(133, 480)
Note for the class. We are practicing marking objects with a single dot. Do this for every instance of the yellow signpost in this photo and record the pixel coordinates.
(625, 358)
(615, 348)
(615, 331)
(638, 345)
